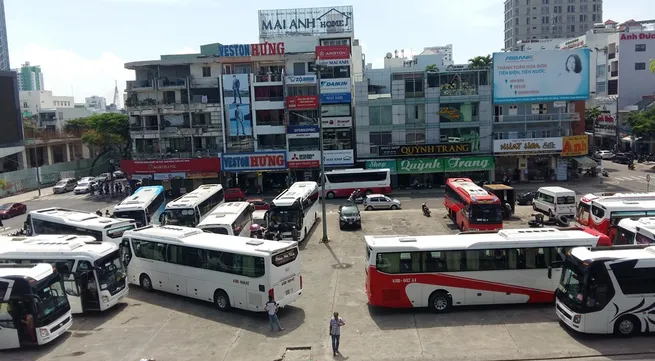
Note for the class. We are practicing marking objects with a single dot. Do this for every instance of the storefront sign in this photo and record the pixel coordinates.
(245, 50)
(244, 162)
(329, 52)
(169, 176)
(423, 149)
(575, 145)
(382, 164)
(339, 157)
(420, 165)
(298, 129)
(638, 36)
(201, 175)
(533, 145)
(139, 176)
(302, 102)
(447, 164)
(301, 79)
(338, 122)
(307, 21)
(469, 164)
(304, 159)
(333, 62)
(171, 165)
(450, 114)
(336, 98)
(335, 86)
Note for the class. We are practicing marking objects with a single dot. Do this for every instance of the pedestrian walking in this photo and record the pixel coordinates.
(335, 332)
(272, 308)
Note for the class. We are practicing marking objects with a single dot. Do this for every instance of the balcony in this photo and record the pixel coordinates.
(536, 118)
(140, 85)
(414, 95)
(268, 79)
(611, 55)
(168, 83)
(202, 82)
(448, 90)
(149, 132)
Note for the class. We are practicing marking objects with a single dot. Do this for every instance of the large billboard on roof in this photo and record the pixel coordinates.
(307, 21)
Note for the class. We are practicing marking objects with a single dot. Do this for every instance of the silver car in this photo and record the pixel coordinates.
(380, 201)
(64, 185)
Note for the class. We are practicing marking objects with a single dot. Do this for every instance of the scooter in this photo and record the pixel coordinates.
(426, 210)
(631, 166)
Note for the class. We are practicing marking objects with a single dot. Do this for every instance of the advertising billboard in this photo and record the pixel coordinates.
(240, 162)
(336, 98)
(528, 146)
(302, 102)
(330, 52)
(339, 157)
(243, 50)
(236, 101)
(333, 62)
(307, 21)
(303, 159)
(300, 79)
(171, 165)
(548, 75)
(335, 86)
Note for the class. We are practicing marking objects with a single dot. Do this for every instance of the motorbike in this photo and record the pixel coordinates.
(605, 174)
(357, 198)
(426, 210)
(631, 166)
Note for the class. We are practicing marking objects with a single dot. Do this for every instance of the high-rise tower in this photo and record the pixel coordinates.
(4, 48)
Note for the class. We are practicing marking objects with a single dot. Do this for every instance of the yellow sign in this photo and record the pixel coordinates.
(575, 145)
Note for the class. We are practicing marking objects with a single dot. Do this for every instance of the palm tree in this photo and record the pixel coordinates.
(480, 62)
(432, 68)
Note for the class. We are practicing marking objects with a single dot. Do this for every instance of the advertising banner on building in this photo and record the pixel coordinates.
(575, 145)
(528, 146)
(382, 164)
(245, 162)
(169, 176)
(423, 149)
(300, 79)
(302, 102)
(469, 164)
(171, 165)
(246, 50)
(303, 159)
(448, 165)
(335, 86)
(336, 98)
(236, 101)
(201, 175)
(332, 52)
(548, 75)
(307, 21)
(339, 157)
(334, 62)
(337, 122)
(302, 131)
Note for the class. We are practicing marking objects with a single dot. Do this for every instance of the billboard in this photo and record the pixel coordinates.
(302, 102)
(300, 79)
(335, 86)
(236, 101)
(246, 50)
(307, 21)
(548, 75)
(328, 52)
(336, 98)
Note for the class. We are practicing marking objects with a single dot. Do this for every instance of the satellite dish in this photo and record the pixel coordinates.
(388, 55)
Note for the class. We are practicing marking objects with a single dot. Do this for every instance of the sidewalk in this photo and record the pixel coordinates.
(27, 196)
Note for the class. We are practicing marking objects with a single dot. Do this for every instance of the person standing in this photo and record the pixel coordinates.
(238, 117)
(335, 332)
(272, 308)
(236, 85)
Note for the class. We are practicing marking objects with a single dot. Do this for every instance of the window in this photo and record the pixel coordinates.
(154, 206)
(299, 69)
(414, 86)
(297, 144)
(570, 8)
(47, 227)
(583, 17)
(379, 138)
(634, 280)
(336, 110)
(210, 203)
(270, 117)
(149, 250)
(557, 9)
(303, 117)
(280, 259)
(415, 138)
(601, 87)
(302, 90)
(597, 211)
(516, 21)
(336, 72)
(272, 141)
(206, 72)
(640, 47)
(640, 66)
(270, 93)
(415, 114)
(545, 20)
(458, 112)
(337, 139)
(325, 42)
(380, 115)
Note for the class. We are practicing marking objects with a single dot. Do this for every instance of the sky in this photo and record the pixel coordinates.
(82, 45)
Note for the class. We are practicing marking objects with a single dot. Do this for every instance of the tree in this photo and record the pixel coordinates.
(643, 123)
(652, 65)
(590, 116)
(432, 68)
(480, 62)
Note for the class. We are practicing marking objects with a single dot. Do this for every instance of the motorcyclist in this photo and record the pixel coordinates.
(256, 231)
(99, 213)
(107, 213)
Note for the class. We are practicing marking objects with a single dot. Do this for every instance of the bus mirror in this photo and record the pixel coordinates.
(550, 272)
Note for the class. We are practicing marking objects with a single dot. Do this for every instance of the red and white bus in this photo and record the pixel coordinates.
(342, 182)
(606, 213)
(583, 211)
(471, 207)
(439, 272)
(639, 231)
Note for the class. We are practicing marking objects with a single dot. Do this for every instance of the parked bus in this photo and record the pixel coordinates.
(193, 207)
(69, 221)
(475, 268)
(296, 207)
(33, 305)
(226, 270)
(342, 182)
(471, 207)
(583, 211)
(606, 213)
(607, 290)
(231, 218)
(94, 277)
(145, 205)
(626, 232)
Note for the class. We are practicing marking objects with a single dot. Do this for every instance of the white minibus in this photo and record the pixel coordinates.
(145, 205)
(555, 201)
(231, 218)
(191, 208)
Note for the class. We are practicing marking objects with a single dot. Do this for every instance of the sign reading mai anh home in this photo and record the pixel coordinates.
(307, 21)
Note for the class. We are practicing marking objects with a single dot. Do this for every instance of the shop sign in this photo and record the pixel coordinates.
(296, 129)
(339, 157)
(533, 145)
(301, 79)
(302, 102)
(200, 175)
(169, 176)
(335, 86)
(244, 162)
(139, 176)
(336, 98)
(420, 165)
(304, 159)
(244, 50)
(333, 62)
(306, 21)
(450, 114)
(171, 165)
(328, 52)
(575, 145)
(338, 122)
(382, 164)
(423, 149)
(469, 164)
(638, 36)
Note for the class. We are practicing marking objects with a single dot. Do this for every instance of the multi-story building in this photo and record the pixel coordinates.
(4, 47)
(96, 103)
(30, 77)
(11, 137)
(33, 102)
(534, 19)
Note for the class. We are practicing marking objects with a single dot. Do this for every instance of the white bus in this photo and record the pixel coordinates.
(93, 274)
(639, 231)
(69, 221)
(33, 305)
(608, 290)
(231, 218)
(145, 205)
(296, 207)
(226, 270)
(342, 182)
(191, 208)
(478, 268)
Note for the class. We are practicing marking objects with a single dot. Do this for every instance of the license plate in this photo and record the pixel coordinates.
(288, 292)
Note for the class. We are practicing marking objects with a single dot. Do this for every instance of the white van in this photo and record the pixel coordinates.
(555, 201)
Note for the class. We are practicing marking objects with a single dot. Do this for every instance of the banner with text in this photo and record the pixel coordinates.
(336, 98)
(382, 164)
(300, 79)
(302, 102)
(307, 21)
(332, 52)
(339, 157)
(575, 145)
(448, 165)
(335, 86)
(245, 162)
(303, 159)
(528, 146)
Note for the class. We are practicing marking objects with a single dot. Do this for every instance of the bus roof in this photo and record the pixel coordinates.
(613, 253)
(141, 197)
(629, 224)
(528, 237)
(611, 196)
(557, 190)
(195, 197)
(78, 218)
(56, 246)
(225, 213)
(297, 192)
(625, 204)
(466, 187)
(36, 271)
(194, 237)
(357, 170)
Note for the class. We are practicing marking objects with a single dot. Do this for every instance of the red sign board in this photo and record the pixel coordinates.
(199, 165)
(303, 159)
(302, 102)
(333, 52)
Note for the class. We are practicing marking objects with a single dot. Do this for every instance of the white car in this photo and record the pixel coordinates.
(604, 154)
(82, 187)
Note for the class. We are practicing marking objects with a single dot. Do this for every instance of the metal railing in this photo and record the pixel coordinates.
(414, 94)
(569, 117)
(175, 82)
(473, 118)
(267, 78)
(458, 92)
(611, 55)
(139, 84)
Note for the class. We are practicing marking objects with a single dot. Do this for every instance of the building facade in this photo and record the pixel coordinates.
(4, 47)
(33, 102)
(96, 103)
(30, 77)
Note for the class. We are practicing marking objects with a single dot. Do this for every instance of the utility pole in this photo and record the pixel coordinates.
(319, 68)
(38, 172)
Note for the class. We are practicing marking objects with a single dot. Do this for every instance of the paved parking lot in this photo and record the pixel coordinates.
(167, 327)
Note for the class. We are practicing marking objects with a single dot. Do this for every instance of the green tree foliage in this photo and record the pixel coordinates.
(652, 65)
(590, 116)
(643, 123)
(480, 61)
(432, 68)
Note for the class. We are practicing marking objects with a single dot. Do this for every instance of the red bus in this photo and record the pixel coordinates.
(471, 207)
(583, 212)
(607, 213)
(342, 182)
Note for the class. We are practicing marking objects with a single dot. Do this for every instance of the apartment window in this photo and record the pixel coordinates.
(269, 93)
(270, 117)
(596, 7)
(379, 138)
(571, 28)
(303, 117)
(601, 87)
(301, 90)
(570, 18)
(532, 134)
(60, 115)
(498, 136)
(570, 8)
(545, 20)
(336, 72)
(337, 139)
(544, 2)
(583, 17)
(595, 17)
(272, 141)
(545, 133)
(527, 21)
(325, 42)
(545, 29)
(25, 105)
(380, 115)
(415, 138)
(516, 12)
(585, 27)
(545, 10)
(640, 66)
(206, 72)
(414, 86)
(415, 114)
(298, 144)
(557, 9)
(640, 47)
(600, 71)
(299, 68)
(516, 21)
(336, 110)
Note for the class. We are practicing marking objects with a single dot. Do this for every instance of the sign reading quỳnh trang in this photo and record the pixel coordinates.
(423, 149)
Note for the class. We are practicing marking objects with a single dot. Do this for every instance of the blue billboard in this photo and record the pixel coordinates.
(336, 98)
(549, 75)
(299, 129)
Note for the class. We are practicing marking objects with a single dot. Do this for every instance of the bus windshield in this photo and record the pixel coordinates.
(52, 298)
(181, 217)
(138, 216)
(571, 286)
(111, 274)
(286, 215)
(486, 213)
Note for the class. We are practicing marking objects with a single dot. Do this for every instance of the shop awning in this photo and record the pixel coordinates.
(586, 161)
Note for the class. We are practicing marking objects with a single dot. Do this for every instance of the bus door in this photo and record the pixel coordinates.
(71, 286)
(88, 286)
(125, 252)
(10, 320)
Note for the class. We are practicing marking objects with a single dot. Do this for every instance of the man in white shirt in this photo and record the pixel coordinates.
(271, 308)
(335, 332)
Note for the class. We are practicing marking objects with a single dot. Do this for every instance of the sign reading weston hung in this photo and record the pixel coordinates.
(307, 21)
(329, 52)
(423, 149)
(548, 75)
(243, 50)
(239, 162)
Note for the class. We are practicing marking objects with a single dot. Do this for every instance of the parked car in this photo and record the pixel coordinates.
(104, 177)
(9, 210)
(259, 204)
(349, 216)
(234, 194)
(526, 198)
(119, 175)
(83, 186)
(623, 158)
(65, 185)
(604, 154)
(380, 201)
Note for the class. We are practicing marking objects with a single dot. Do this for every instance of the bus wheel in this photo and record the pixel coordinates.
(440, 302)
(222, 300)
(627, 326)
(330, 195)
(145, 282)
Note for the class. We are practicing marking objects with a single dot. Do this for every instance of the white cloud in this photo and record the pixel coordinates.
(186, 50)
(67, 73)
